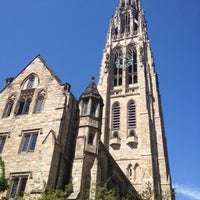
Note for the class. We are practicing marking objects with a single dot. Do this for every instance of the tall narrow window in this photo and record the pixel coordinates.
(118, 68)
(30, 82)
(39, 104)
(130, 172)
(131, 115)
(116, 117)
(125, 22)
(29, 141)
(2, 142)
(94, 108)
(135, 171)
(85, 107)
(90, 139)
(21, 106)
(8, 108)
(132, 77)
(26, 106)
(18, 187)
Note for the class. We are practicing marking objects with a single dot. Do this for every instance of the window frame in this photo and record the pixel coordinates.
(85, 107)
(118, 71)
(94, 108)
(29, 141)
(116, 116)
(8, 108)
(132, 70)
(30, 83)
(39, 104)
(4, 136)
(91, 139)
(19, 182)
(131, 112)
(23, 106)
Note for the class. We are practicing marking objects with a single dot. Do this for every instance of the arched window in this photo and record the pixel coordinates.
(39, 104)
(130, 172)
(135, 175)
(131, 115)
(132, 68)
(118, 67)
(116, 117)
(90, 139)
(125, 23)
(30, 82)
(8, 108)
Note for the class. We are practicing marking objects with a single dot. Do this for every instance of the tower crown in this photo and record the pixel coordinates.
(128, 20)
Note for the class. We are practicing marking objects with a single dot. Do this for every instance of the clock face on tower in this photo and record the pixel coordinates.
(124, 61)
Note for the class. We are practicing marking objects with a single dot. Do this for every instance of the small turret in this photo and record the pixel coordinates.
(90, 105)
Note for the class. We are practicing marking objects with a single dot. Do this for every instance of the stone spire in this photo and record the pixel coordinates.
(128, 20)
(91, 88)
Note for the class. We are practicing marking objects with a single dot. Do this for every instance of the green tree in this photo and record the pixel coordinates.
(3, 180)
(103, 193)
(55, 194)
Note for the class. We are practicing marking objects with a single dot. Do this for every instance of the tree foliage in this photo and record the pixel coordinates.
(55, 194)
(103, 193)
(3, 180)
(98, 192)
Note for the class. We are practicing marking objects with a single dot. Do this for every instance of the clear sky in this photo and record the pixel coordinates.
(70, 36)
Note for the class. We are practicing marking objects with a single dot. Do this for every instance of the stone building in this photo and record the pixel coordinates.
(113, 134)
(39, 117)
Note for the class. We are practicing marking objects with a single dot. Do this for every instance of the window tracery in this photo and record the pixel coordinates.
(30, 82)
(132, 76)
(117, 70)
(24, 102)
(125, 22)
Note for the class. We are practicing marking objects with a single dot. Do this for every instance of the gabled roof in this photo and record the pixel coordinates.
(45, 64)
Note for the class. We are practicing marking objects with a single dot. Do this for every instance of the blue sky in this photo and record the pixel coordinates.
(70, 36)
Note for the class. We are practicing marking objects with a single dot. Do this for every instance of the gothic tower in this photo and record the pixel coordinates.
(132, 121)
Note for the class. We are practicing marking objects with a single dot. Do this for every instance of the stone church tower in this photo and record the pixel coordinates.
(132, 122)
